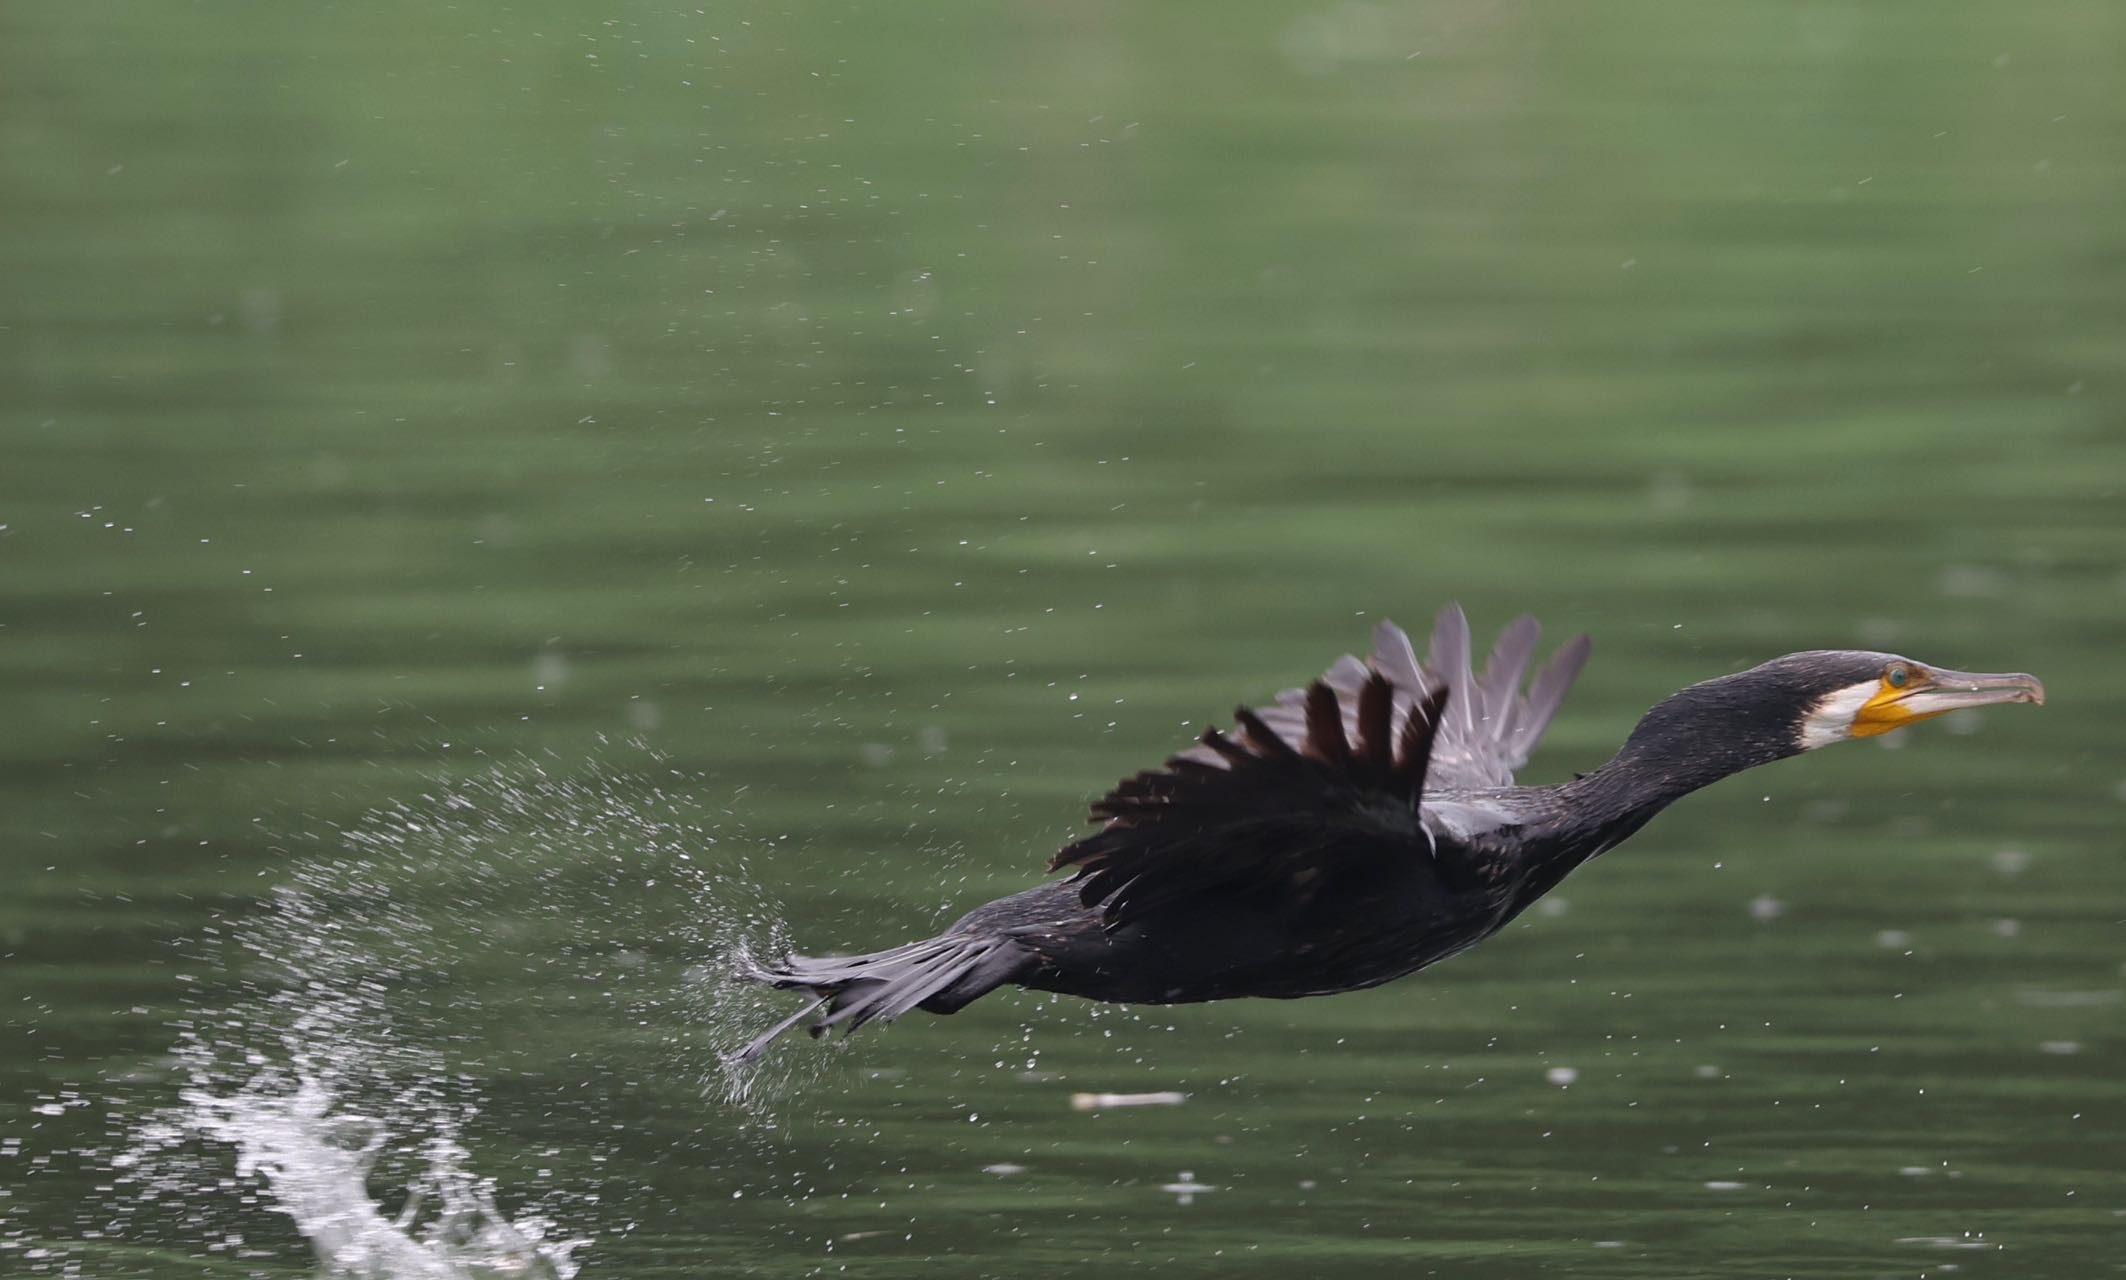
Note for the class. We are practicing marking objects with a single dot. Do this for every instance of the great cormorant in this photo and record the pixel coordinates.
(1363, 828)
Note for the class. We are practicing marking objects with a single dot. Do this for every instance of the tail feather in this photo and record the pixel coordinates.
(940, 974)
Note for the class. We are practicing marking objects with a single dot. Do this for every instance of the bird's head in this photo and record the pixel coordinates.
(1852, 694)
(1808, 700)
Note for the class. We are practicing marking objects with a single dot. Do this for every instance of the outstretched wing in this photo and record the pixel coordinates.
(1492, 727)
(1335, 773)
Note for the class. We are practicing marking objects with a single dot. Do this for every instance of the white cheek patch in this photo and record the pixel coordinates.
(1831, 720)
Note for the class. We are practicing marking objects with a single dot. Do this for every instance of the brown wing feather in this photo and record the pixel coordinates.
(1325, 725)
(1261, 809)
(1420, 731)
(1261, 738)
(1376, 717)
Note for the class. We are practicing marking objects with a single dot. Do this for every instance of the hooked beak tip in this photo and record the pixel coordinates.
(2014, 687)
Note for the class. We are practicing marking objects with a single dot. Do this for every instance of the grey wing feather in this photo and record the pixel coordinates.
(1497, 727)
(1547, 694)
(1490, 727)
(1501, 683)
(1451, 660)
(1392, 654)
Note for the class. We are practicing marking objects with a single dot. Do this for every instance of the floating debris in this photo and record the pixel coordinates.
(1102, 1101)
(1976, 1240)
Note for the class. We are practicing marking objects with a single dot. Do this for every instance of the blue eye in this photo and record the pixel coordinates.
(1898, 676)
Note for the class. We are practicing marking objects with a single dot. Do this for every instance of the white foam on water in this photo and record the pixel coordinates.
(330, 1069)
(338, 1116)
(316, 1159)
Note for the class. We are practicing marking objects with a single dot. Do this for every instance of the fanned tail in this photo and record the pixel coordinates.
(941, 975)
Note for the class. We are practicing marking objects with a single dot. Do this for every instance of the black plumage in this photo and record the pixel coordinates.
(1362, 828)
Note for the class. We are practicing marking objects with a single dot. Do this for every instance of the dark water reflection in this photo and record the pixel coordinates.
(656, 474)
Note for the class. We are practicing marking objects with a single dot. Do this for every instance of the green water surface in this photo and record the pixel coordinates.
(834, 442)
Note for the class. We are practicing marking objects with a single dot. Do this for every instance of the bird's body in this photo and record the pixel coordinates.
(1363, 828)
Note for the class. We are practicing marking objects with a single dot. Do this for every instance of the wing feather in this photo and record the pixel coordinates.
(1392, 655)
(1325, 725)
(1450, 661)
(1335, 772)
(1501, 681)
(1545, 696)
(1268, 809)
(1414, 756)
(1497, 727)
(1376, 716)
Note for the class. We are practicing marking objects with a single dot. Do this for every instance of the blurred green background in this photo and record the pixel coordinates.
(859, 433)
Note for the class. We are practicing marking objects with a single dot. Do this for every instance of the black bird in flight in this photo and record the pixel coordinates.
(1363, 828)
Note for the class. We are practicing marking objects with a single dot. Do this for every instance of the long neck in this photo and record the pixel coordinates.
(1694, 739)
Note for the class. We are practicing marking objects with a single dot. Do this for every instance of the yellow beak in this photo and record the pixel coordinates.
(1940, 692)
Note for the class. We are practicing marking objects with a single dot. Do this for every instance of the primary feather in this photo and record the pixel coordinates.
(1334, 774)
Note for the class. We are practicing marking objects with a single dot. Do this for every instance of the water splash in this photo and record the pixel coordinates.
(316, 1160)
(337, 1052)
(328, 1079)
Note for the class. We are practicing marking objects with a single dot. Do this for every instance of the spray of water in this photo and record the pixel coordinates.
(316, 1160)
(332, 1072)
